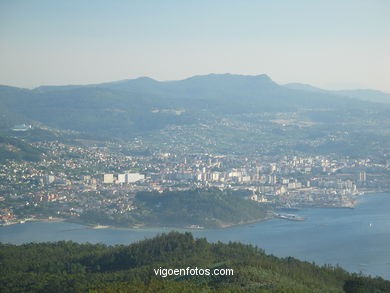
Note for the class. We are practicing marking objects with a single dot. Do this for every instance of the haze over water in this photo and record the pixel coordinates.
(356, 239)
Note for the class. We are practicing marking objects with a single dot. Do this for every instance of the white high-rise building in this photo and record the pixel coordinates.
(121, 178)
(362, 176)
(47, 179)
(134, 177)
(108, 178)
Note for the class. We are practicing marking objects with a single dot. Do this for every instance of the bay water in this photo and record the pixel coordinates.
(356, 239)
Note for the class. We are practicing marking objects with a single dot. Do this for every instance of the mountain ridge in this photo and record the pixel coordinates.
(124, 109)
(370, 95)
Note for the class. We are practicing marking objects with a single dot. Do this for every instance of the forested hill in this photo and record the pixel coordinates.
(72, 267)
(208, 208)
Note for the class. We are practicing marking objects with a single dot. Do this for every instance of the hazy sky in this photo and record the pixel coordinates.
(329, 43)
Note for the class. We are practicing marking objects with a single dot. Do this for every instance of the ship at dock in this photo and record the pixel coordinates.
(290, 217)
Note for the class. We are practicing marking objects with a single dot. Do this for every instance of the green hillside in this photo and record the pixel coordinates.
(16, 149)
(206, 208)
(71, 267)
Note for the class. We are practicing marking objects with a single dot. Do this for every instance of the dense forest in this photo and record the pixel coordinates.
(72, 267)
(210, 208)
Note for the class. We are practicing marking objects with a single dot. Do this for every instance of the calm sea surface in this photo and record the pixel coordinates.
(356, 239)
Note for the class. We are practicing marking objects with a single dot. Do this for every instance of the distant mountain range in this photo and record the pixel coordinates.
(361, 94)
(130, 107)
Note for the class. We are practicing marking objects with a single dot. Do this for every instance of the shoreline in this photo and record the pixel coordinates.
(258, 234)
(138, 226)
(43, 220)
(223, 226)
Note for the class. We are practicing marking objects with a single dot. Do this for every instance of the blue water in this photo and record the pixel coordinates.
(356, 239)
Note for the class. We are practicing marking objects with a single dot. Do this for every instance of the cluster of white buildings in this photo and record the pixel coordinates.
(124, 178)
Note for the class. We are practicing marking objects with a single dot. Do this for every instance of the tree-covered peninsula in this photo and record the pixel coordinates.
(208, 208)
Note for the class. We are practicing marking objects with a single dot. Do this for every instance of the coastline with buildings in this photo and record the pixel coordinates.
(73, 182)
